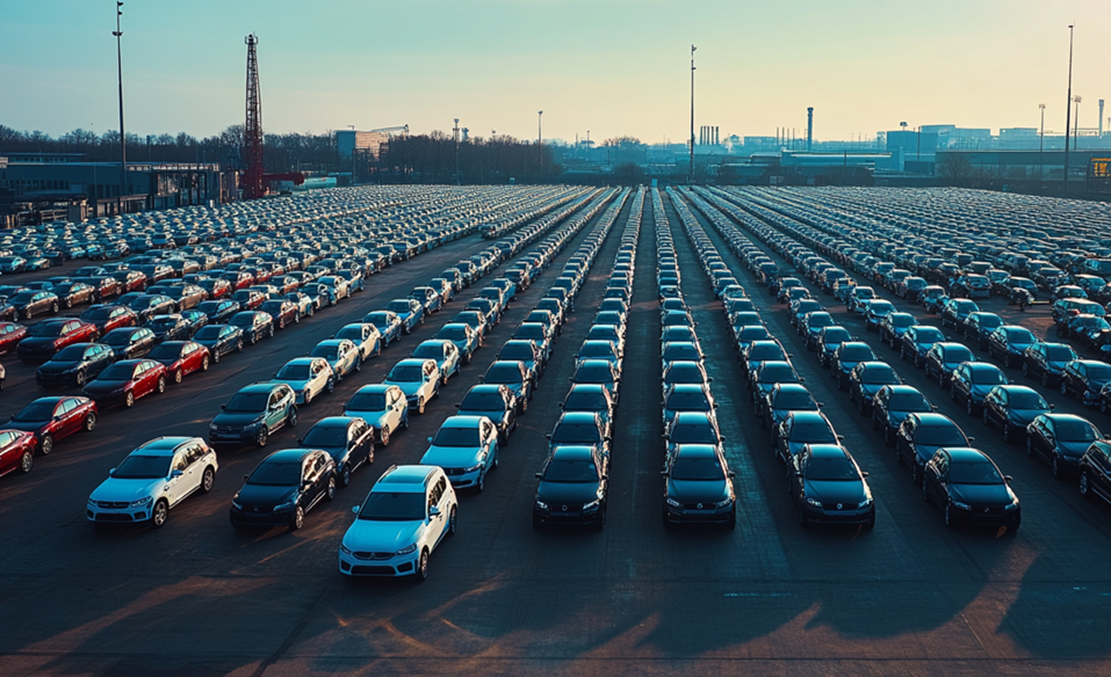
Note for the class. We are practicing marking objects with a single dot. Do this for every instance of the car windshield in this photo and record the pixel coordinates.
(117, 372)
(533, 332)
(957, 354)
(876, 375)
(930, 335)
(326, 436)
(571, 471)
(96, 314)
(452, 333)
(1099, 372)
(353, 333)
(328, 351)
(456, 437)
(295, 372)
(697, 469)
(379, 319)
(483, 401)
(45, 329)
(794, 401)
(1076, 431)
(759, 353)
(941, 435)
(433, 351)
(908, 401)
(248, 402)
(988, 376)
(166, 351)
(504, 373)
(1060, 353)
(399, 307)
(837, 335)
(70, 353)
(693, 434)
(390, 506)
(1028, 400)
(36, 411)
(569, 433)
(367, 402)
(163, 323)
(856, 354)
(974, 472)
(209, 333)
(688, 401)
(277, 474)
(406, 373)
(1021, 335)
(113, 338)
(839, 469)
(603, 374)
(137, 467)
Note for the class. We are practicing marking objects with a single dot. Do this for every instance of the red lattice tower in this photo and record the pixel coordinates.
(252, 131)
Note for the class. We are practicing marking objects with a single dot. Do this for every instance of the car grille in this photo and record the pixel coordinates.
(113, 517)
(697, 506)
(839, 506)
(362, 554)
(112, 505)
(454, 471)
(226, 429)
(372, 570)
(982, 510)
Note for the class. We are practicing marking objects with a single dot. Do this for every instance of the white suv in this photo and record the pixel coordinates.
(152, 479)
(407, 513)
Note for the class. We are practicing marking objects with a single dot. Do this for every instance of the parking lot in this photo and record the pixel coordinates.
(197, 597)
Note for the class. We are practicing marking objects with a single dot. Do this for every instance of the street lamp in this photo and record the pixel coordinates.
(455, 135)
(1068, 111)
(1041, 134)
(354, 143)
(690, 177)
(540, 137)
(119, 77)
(1076, 121)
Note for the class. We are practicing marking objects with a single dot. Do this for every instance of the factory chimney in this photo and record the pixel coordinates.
(809, 127)
(1101, 118)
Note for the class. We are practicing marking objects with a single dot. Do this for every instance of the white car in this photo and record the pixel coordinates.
(418, 378)
(152, 479)
(342, 354)
(407, 513)
(466, 447)
(444, 352)
(308, 376)
(365, 336)
(382, 406)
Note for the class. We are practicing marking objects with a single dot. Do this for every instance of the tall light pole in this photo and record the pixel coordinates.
(354, 143)
(1041, 134)
(119, 76)
(1068, 111)
(455, 134)
(690, 176)
(1076, 121)
(540, 137)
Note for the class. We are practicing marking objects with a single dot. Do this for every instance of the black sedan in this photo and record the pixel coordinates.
(219, 312)
(829, 488)
(34, 302)
(943, 358)
(220, 339)
(866, 379)
(917, 341)
(75, 365)
(846, 357)
(170, 328)
(129, 342)
(283, 488)
(349, 441)
(1061, 439)
(972, 381)
(1012, 408)
(1085, 378)
(1009, 342)
(968, 486)
(72, 293)
(147, 306)
(255, 324)
(698, 487)
(892, 404)
(1047, 361)
(921, 435)
(1095, 471)
(496, 402)
(573, 488)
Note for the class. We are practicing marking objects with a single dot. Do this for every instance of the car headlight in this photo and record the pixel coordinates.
(961, 506)
(672, 502)
(473, 468)
(91, 501)
(814, 502)
(344, 549)
(1012, 505)
(141, 502)
(541, 505)
(284, 506)
(407, 549)
(866, 502)
(723, 503)
(592, 505)
(212, 427)
(235, 504)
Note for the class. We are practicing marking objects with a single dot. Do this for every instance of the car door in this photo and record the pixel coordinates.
(71, 419)
(398, 406)
(177, 484)
(360, 441)
(437, 523)
(275, 413)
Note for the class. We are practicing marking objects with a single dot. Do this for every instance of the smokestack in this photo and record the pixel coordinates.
(1101, 117)
(809, 127)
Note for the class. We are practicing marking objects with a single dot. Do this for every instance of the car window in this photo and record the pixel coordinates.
(180, 461)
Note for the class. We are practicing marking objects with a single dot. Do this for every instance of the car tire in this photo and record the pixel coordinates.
(27, 314)
(270, 334)
(452, 522)
(161, 385)
(480, 484)
(308, 397)
(969, 406)
(330, 492)
(384, 436)
(239, 346)
(1084, 484)
(948, 517)
(80, 378)
(421, 574)
(216, 356)
(1064, 388)
(160, 514)
(298, 519)
(1029, 446)
(26, 461)
(208, 480)
(345, 475)
(291, 419)
(1055, 468)
(46, 445)
(358, 364)
(178, 376)
(420, 405)
(262, 436)
(129, 400)
(54, 308)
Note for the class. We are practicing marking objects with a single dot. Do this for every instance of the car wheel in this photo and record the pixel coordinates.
(204, 363)
(27, 313)
(216, 356)
(292, 418)
(129, 400)
(948, 515)
(26, 461)
(481, 483)
(90, 422)
(239, 346)
(969, 407)
(1056, 469)
(1103, 406)
(161, 386)
(80, 378)
(208, 479)
(297, 318)
(359, 364)
(1064, 388)
(420, 405)
(345, 475)
(308, 396)
(1083, 484)
(298, 519)
(524, 405)
(405, 419)
(915, 473)
(384, 436)
(941, 382)
(160, 513)
(422, 566)
(46, 445)
(330, 492)
(452, 522)
(888, 437)
(178, 375)
(54, 308)
(262, 436)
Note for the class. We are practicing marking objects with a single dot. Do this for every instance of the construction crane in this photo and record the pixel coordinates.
(254, 182)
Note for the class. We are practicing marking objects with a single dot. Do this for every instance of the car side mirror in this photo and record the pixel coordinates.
(223, 406)
(112, 472)
(840, 438)
(864, 473)
(433, 511)
(663, 472)
(971, 440)
(1052, 406)
(355, 509)
(1008, 479)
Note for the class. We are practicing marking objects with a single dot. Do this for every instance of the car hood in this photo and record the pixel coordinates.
(264, 495)
(373, 418)
(297, 385)
(59, 367)
(102, 386)
(407, 387)
(120, 490)
(703, 491)
(835, 491)
(495, 415)
(451, 457)
(235, 419)
(1072, 450)
(981, 495)
(570, 493)
(381, 536)
(37, 342)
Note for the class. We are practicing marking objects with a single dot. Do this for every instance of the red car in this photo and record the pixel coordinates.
(131, 280)
(11, 333)
(217, 288)
(107, 317)
(17, 451)
(128, 380)
(181, 358)
(239, 279)
(249, 299)
(49, 419)
(51, 335)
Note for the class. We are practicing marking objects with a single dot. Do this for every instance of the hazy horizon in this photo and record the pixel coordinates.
(615, 68)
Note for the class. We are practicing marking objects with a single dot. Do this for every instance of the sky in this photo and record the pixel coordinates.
(604, 67)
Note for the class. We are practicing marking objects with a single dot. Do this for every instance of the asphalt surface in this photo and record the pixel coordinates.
(198, 598)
